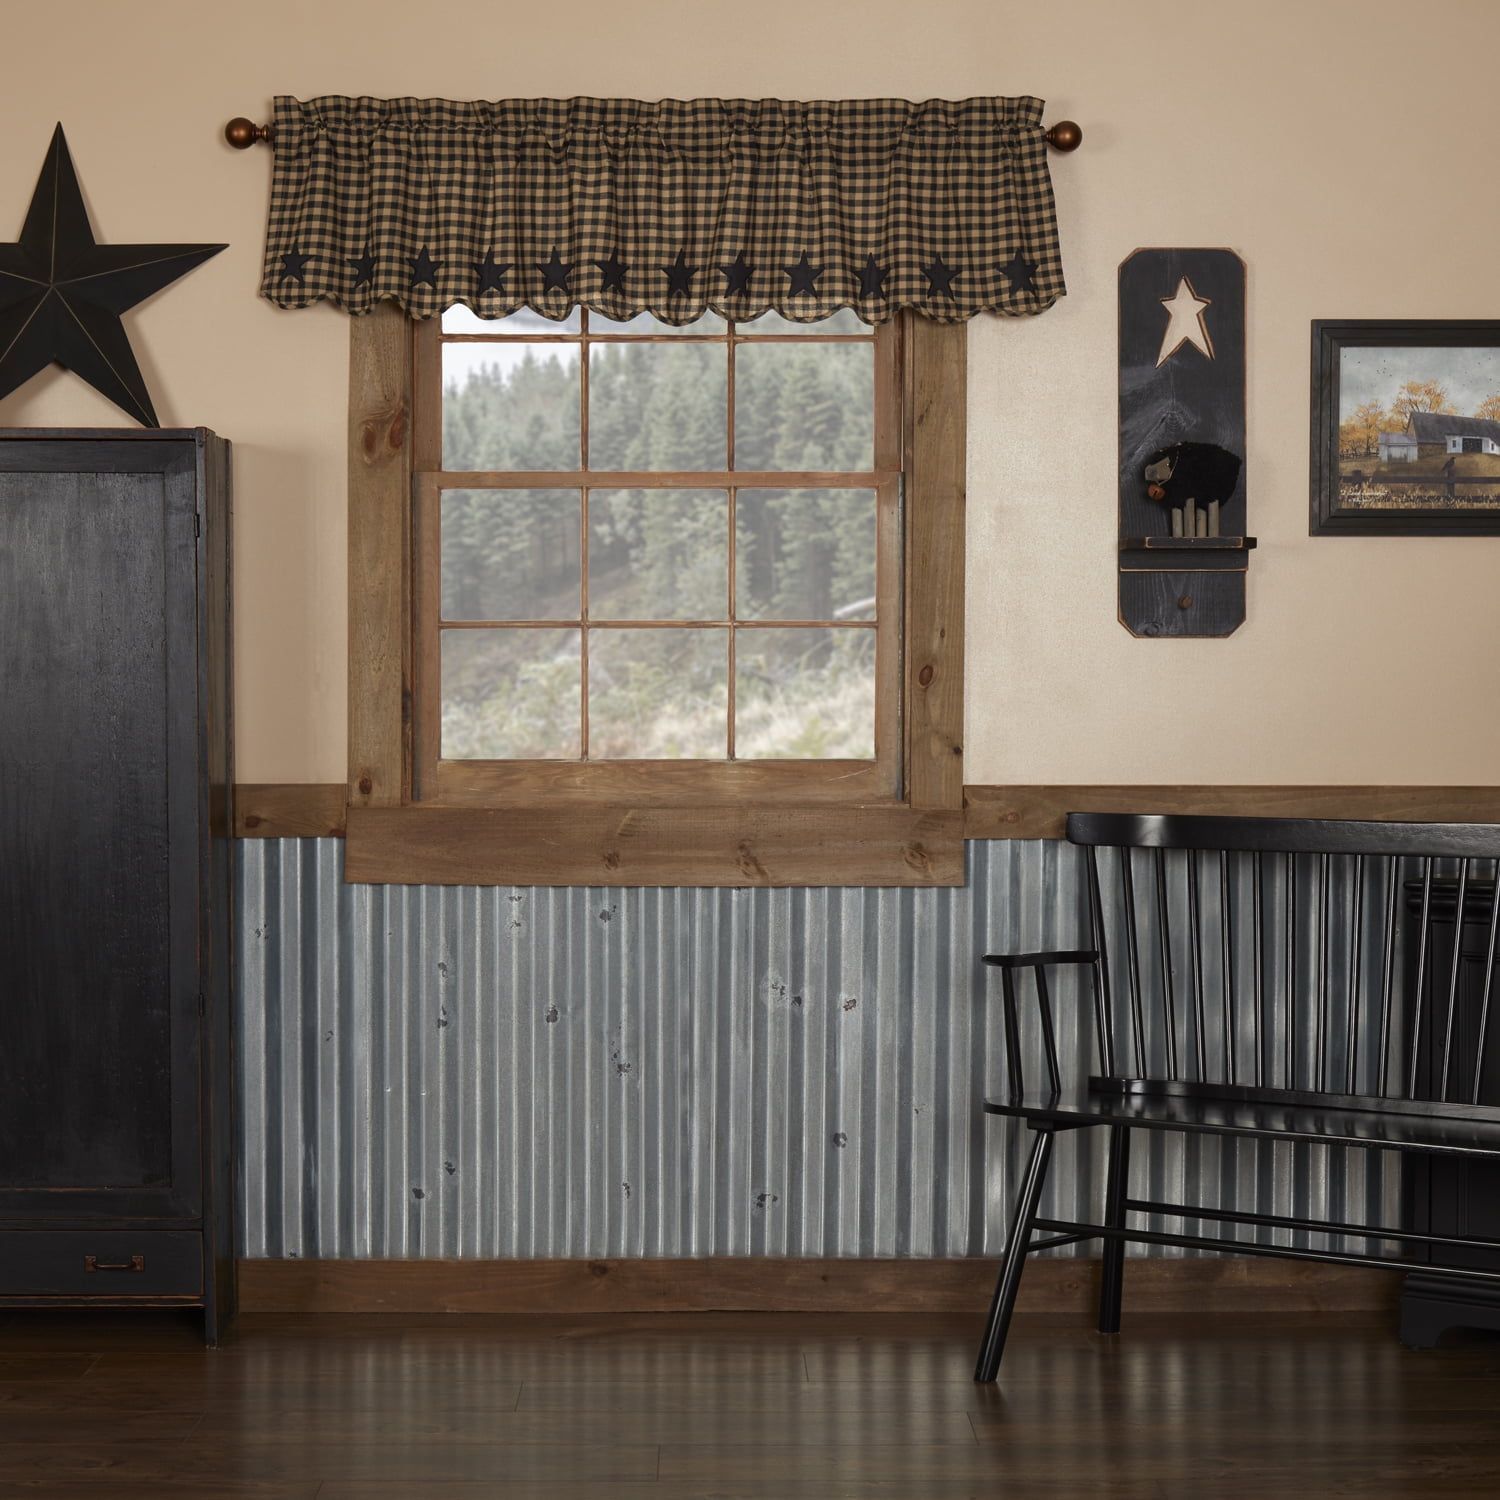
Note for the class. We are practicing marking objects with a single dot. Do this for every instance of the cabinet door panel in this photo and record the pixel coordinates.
(97, 953)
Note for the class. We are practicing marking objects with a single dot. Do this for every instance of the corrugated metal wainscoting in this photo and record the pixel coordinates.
(430, 1071)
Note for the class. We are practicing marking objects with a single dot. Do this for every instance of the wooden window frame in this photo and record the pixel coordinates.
(635, 825)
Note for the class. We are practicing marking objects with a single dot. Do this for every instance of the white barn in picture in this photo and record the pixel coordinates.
(1397, 448)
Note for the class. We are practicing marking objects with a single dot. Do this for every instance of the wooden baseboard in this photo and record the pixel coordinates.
(746, 1284)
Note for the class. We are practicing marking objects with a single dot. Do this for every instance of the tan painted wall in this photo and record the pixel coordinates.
(1327, 143)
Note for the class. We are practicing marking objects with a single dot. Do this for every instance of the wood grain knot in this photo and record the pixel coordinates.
(598, 1268)
(366, 786)
(252, 820)
(925, 676)
(918, 858)
(611, 859)
(750, 865)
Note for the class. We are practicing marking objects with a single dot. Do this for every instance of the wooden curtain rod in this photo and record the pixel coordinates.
(1066, 135)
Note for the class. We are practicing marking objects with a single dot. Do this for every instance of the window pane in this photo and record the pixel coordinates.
(658, 554)
(658, 406)
(511, 554)
(510, 406)
(658, 694)
(804, 694)
(512, 695)
(804, 555)
(460, 319)
(845, 320)
(804, 406)
(644, 323)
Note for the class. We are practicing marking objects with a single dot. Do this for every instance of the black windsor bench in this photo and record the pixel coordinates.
(1271, 978)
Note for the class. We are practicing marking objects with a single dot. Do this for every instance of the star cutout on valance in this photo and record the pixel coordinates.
(363, 267)
(62, 292)
(940, 277)
(804, 276)
(1019, 272)
(737, 276)
(872, 278)
(612, 272)
(491, 273)
(423, 269)
(555, 272)
(294, 265)
(680, 276)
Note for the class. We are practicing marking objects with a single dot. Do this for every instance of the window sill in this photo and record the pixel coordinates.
(809, 845)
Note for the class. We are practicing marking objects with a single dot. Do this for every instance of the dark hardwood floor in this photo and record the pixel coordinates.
(118, 1406)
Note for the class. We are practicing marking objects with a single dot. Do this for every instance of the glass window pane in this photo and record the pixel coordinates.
(511, 554)
(804, 555)
(658, 694)
(510, 406)
(460, 319)
(512, 695)
(804, 406)
(658, 554)
(658, 406)
(804, 694)
(845, 320)
(710, 322)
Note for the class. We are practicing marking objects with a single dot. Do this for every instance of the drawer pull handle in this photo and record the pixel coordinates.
(93, 1263)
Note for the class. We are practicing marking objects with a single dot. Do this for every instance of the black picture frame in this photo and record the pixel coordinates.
(1329, 515)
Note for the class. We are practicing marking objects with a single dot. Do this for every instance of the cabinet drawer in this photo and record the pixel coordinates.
(109, 1263)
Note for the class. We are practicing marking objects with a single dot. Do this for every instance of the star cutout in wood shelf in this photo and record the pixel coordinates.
(62, 293)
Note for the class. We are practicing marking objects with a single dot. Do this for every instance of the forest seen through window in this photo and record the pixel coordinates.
(638, 577)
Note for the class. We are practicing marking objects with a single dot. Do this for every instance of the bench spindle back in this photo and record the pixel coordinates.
(1311, 957)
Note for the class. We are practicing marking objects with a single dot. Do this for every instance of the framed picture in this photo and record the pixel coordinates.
(1405, 428)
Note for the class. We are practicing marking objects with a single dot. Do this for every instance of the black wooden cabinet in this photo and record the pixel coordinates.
(115, 911)
(1452, 1195)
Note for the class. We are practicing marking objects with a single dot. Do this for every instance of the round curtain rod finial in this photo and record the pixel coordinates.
(1066, 135)
(242, 133)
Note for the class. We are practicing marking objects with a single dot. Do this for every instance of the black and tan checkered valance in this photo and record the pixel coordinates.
(738, 205)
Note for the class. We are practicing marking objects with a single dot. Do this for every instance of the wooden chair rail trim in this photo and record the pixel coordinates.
(1040, 812)
(763, 1284)
(317, 810)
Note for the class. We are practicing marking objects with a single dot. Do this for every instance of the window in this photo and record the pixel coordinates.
(641, 543)
(671, 607)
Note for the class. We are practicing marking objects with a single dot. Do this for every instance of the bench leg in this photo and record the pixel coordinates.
(1018, 1236)
(1116, 1189)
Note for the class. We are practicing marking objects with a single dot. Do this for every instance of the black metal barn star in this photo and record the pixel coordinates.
(612, 273)
(62, 293)
(940, 278)
(491, 275)
(555, 273)
(294, 265)
(423, 269)
(363, 267)
(804, 277)
(872, 278)
(680, 276)
(1019, 272)
(737, 276)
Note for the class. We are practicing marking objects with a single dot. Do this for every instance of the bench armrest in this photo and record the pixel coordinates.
(1038, 960)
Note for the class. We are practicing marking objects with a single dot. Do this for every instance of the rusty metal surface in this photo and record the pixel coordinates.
(458, 1071)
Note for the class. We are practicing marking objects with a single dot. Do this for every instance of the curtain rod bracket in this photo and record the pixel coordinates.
(1066, 135)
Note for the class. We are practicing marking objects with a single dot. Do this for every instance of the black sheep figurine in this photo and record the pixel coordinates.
(1194, 480)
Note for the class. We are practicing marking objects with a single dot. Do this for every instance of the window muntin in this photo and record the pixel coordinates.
(714, 583)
